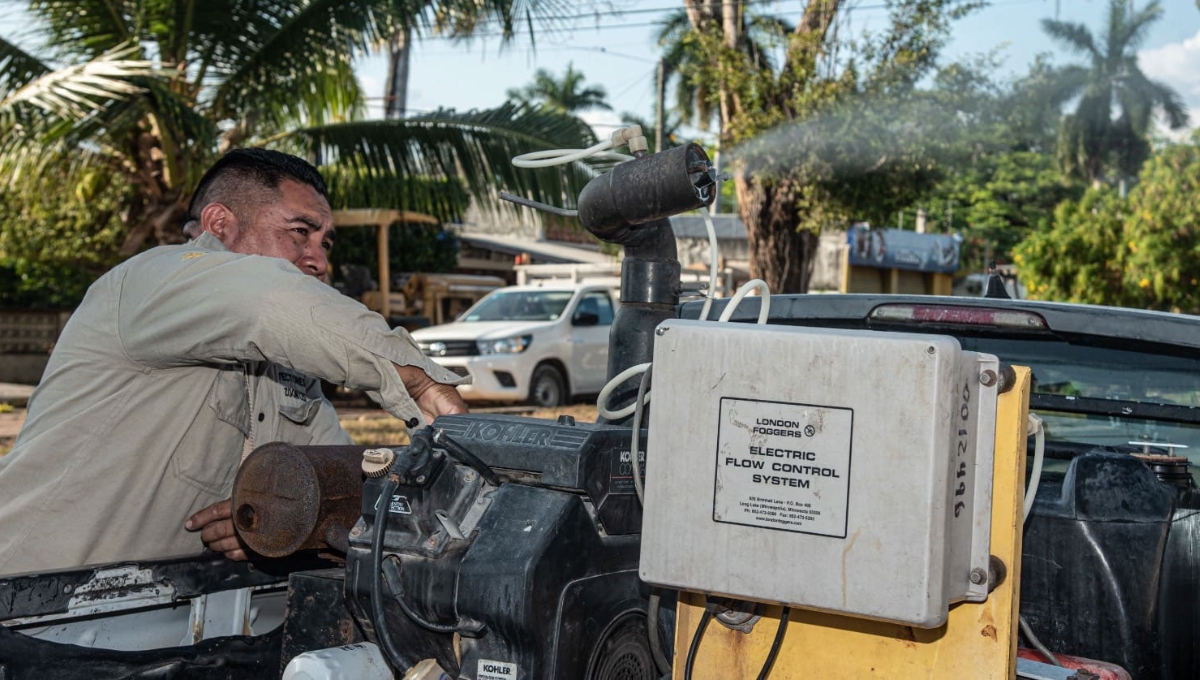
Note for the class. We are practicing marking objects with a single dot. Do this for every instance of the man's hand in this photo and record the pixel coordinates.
(433, 398)
(215, 525)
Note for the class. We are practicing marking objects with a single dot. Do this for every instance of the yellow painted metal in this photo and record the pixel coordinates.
(979, 641)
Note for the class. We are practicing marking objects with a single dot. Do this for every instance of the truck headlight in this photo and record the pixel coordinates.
(514, 345)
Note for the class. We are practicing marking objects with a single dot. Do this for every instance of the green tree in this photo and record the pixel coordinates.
(152, 92)
(565, 95)
(1080, 258)
(685, 61)
(1109, 129)
(818, 133)
(1140, 251)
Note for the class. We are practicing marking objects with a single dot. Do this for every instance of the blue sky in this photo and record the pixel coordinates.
(614, 47)
(617, 51)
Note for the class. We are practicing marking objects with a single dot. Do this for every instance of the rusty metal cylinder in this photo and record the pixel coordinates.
(289, 498)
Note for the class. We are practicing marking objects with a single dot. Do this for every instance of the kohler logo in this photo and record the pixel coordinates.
(497, 669)
(512, 433)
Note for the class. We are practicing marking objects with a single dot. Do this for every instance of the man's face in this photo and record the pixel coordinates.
(297, 226)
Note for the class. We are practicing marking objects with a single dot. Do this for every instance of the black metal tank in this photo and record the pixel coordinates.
(1111, 564)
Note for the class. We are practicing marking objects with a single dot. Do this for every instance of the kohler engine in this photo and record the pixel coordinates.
(497, 546)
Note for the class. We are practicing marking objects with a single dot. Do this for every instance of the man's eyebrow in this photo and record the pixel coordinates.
(307, 221)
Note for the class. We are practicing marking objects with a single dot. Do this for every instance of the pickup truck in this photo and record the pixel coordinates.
(540, 343)
(1112, 539)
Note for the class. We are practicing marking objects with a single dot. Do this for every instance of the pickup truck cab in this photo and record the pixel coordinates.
(539, 343)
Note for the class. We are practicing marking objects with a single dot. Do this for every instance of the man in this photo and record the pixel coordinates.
(183, 359)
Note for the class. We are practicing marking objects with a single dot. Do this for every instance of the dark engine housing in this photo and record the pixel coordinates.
(539, 573)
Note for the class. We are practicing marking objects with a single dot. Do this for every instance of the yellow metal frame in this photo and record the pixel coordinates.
(979, 641)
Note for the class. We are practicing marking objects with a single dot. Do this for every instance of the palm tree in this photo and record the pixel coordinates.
(566, 95)
(683, 57)
(152, 93)
(1092, 139)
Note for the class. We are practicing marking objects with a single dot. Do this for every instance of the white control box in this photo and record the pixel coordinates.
(846, 471)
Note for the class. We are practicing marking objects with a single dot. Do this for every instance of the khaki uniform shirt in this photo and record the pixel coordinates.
(175, 362)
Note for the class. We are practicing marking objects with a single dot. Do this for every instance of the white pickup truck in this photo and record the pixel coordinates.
(538, 343)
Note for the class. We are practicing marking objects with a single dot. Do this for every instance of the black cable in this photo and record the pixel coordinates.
(771, 655)
(691, 657)
(391, 571)
(378, 618)
(462, 455)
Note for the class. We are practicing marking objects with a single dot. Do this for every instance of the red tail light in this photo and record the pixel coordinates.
(958, 316)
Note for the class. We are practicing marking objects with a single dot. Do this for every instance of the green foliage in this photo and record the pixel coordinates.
(1079, 258)
(54, 244)
(148, 94)
(1141, 251)
(1162, 232)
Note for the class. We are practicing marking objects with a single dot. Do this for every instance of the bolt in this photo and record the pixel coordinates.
(978, 576)
(987, 378)
(469, 476)
(432, 542)
(356, 531)
(437, 454)
(420, 479)
(931, 350)
(661, 330)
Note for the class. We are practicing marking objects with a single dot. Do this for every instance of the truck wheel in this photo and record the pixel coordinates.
(547, 387)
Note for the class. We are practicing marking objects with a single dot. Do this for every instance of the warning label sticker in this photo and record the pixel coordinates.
(495, 670)
(783, 466)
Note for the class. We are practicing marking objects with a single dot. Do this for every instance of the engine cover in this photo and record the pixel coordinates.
(530, 571)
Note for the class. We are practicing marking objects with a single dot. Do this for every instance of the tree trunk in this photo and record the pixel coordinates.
(399, 54)
(780, 254)
(161, 221)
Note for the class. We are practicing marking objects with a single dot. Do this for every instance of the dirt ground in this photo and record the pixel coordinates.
(365, 425)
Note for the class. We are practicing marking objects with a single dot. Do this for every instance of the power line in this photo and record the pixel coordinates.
(648, 24)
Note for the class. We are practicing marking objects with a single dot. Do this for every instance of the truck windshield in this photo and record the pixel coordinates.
(1125, 399)
(520, 305)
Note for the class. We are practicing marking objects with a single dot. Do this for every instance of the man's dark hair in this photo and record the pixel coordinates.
(241, 173)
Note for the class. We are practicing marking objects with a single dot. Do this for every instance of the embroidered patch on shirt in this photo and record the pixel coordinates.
(192, 255)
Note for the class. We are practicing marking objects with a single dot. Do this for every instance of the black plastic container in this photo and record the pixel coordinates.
(1111, 565)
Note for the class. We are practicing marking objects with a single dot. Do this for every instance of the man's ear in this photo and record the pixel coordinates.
(218, 220)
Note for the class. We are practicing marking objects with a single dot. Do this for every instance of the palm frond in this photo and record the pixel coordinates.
(18, 67)
(93, 27)
(305, 60)
(1075, 36)
(1152, 94)
(1131, 31)
(77, 91)
(476, 146)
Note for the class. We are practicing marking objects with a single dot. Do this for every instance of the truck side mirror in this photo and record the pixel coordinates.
(585, 319)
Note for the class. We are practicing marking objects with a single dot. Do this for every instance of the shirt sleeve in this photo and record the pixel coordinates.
(187, 306)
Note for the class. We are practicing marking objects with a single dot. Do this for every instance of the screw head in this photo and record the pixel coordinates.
(978, 576)
(987, 378)
(356, 531)
(931, 350)
(420, 479)
(660, 331)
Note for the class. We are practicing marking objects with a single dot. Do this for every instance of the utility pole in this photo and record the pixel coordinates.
(658, 124)
(395, 99)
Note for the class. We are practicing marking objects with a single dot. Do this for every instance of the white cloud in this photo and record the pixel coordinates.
(1177, 65)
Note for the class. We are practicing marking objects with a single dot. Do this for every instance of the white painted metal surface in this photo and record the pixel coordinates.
(361, 661)
(847, 471)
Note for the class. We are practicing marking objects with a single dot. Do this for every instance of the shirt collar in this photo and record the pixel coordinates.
(209, 242)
